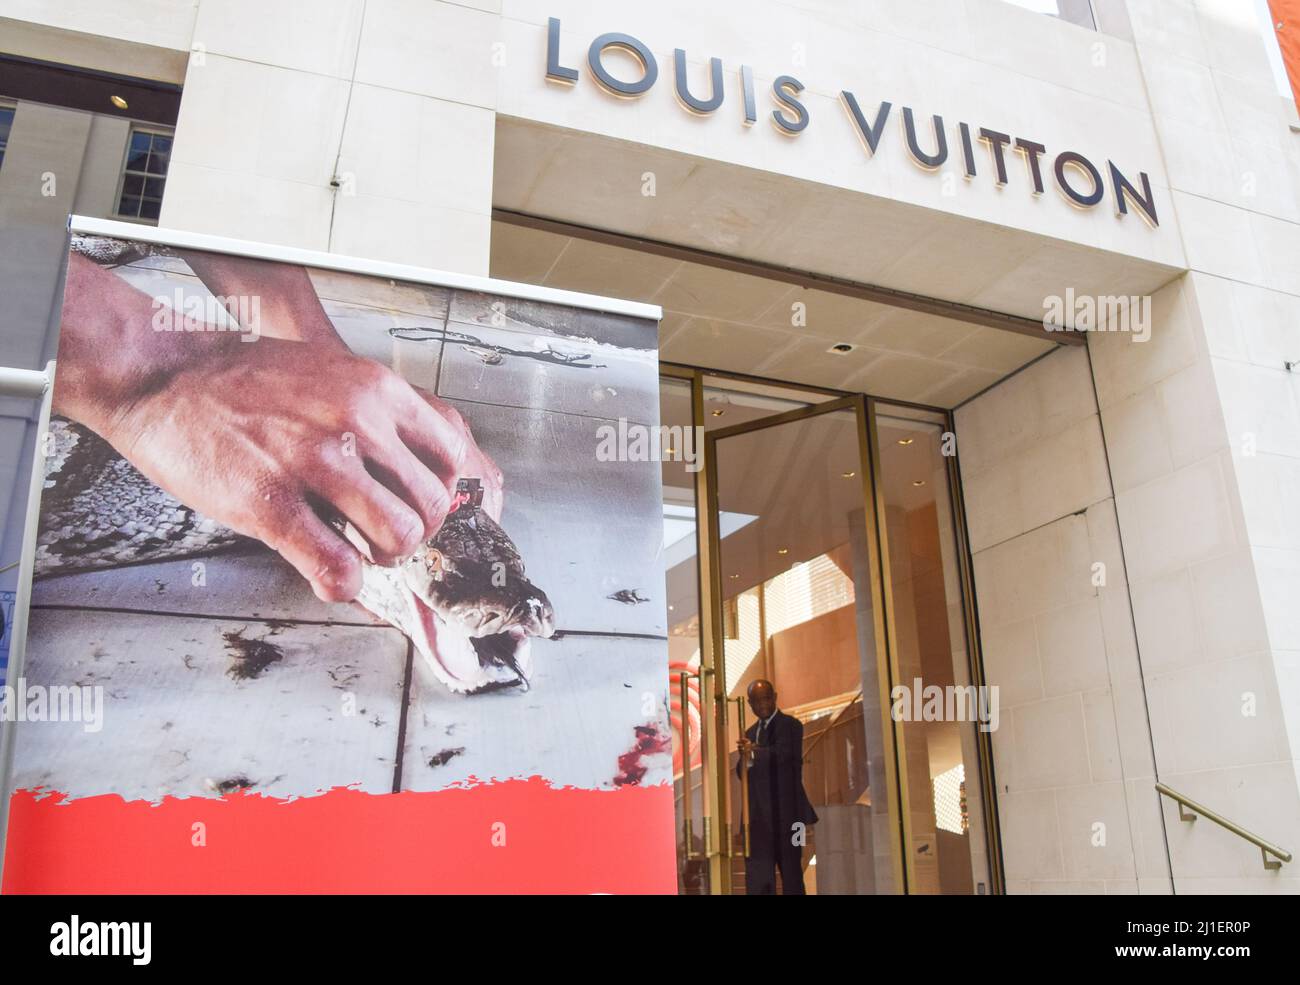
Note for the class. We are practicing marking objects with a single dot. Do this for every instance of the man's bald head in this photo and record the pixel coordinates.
(762, 698)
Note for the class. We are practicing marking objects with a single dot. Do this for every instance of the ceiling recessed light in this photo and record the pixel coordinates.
(905, 441)
(918, 482)
(783, 550)
(718, 413)
(117, 101)
(735, 576)
(840, 348)
(847, 475)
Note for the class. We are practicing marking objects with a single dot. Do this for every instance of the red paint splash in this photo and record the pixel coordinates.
(517, 836)
(631, 765)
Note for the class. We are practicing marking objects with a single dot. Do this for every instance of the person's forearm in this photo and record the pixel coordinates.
(109, 353)
(281, 294)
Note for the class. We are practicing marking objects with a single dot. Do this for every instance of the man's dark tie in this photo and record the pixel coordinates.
(762, 731)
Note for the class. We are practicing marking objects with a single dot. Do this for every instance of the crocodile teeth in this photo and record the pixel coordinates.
(465, 659)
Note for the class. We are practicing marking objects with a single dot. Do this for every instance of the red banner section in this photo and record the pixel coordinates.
(520, 836)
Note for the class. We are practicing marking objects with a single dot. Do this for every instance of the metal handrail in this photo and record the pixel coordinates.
(1188, 810)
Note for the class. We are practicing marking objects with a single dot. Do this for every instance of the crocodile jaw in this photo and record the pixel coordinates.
(445, 648)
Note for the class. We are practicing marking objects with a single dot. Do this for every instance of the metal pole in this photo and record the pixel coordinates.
(31, 383)
(688, 805)
(744, 777)
(23, 383)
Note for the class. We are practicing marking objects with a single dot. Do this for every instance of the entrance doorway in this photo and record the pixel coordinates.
(813, 539)
(839, 516)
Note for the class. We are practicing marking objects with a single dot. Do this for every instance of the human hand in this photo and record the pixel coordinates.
(267, 437)
(477, 463)
(289, 309)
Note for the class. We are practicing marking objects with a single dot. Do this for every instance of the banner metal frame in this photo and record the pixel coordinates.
(17, 383)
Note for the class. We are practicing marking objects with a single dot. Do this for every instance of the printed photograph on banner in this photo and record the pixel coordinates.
(309, 536)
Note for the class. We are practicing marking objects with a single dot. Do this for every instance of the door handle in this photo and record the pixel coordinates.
(744, 778)
(688, 807)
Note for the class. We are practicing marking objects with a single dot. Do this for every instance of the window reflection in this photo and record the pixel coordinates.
(947, 844)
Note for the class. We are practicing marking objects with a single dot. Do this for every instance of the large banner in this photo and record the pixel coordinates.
(335, 593)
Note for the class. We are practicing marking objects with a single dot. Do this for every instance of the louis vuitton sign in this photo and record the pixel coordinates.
(978, 152)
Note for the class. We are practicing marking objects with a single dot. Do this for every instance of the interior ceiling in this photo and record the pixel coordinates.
(741, 323)
(733, 321)
(803, 484)
(800, 483)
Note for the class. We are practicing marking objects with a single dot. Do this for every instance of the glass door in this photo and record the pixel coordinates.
(692, 729)
(795, 586)
(813, 541)
(942, 711)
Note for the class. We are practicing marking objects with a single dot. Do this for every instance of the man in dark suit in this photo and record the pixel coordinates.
(779, 809)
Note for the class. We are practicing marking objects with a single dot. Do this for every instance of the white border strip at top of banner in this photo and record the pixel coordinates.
(357, 265)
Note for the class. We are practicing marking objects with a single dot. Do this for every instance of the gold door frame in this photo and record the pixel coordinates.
(717, 836)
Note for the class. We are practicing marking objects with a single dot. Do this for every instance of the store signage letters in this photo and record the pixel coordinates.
(1075, 176)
